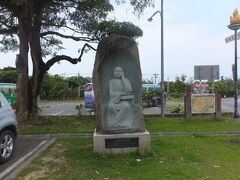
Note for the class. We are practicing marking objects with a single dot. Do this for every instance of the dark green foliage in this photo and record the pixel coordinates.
(85, 19)
(53, 87)
(8, 75)
(57, 88)
(151, 96)
(176, 88)
(39, 28)
(225, 87)
(76, 81)
(123, 28)
(9, 44)
(179, 86)
(140, 5)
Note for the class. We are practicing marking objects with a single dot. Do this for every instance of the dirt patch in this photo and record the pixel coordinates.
(36, 174)
(57, 149)
(59, 160)
(50, 163)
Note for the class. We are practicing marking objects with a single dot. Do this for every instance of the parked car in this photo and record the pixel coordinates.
(8, 130)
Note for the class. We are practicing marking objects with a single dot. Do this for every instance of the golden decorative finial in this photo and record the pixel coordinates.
(236, 18)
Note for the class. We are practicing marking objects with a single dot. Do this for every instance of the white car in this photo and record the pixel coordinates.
(8, 130)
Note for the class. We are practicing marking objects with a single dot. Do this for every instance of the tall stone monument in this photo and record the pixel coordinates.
(117, 83)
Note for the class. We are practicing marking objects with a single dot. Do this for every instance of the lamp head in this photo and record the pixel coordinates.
(150, 19)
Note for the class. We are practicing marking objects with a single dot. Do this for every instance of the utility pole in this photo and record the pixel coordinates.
(167, 85)
(162, 62)
(155, 77)
(162, 56)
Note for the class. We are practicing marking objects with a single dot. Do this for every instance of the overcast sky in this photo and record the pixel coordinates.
(194, 33)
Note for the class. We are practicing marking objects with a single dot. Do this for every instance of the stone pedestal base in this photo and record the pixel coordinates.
(121, 143)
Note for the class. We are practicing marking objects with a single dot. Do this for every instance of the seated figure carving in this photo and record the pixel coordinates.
(119, 107)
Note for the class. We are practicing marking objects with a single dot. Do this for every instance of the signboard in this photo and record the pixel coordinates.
(200, 88)
(206, 72)
(232, 38)
(121, 142)
(203, 103)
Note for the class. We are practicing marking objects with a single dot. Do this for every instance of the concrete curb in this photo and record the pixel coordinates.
(195, 133)
(45, 136)
(15, 168)
(48, 136)
(183, 115)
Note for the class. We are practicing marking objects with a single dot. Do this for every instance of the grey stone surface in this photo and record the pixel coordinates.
(99, 141)
(117, 83)
(120, 112)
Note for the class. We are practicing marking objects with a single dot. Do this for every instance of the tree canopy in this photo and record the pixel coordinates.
(36, 28)
(78, 20)
(8, 75)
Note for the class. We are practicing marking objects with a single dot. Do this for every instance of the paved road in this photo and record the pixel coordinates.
(61, 108)
(228, 104)
(25, 148)
(68, 108)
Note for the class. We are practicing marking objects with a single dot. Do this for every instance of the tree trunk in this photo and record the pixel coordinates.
(39, 67)
(29, 37)
(22, 75)
(35, 87)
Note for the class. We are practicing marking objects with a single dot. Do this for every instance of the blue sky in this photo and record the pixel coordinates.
(194, 32)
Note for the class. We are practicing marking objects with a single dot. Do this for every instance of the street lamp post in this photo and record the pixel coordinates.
(162, 57)
(235, 26)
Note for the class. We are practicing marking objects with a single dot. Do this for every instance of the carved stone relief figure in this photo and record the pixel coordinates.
(120, 111)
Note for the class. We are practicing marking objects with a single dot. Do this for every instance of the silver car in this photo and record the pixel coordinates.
(8, 130)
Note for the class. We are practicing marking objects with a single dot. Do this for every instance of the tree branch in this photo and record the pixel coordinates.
(56, 59)
(62, 26)
(86, 45)
(9, 31)
(86, 39)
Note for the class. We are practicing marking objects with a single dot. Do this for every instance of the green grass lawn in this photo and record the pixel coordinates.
(171, 108)
(173, 99)
(198, 124)
(172, 158)
(87, 124)
(54, 101)
(59, 125)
